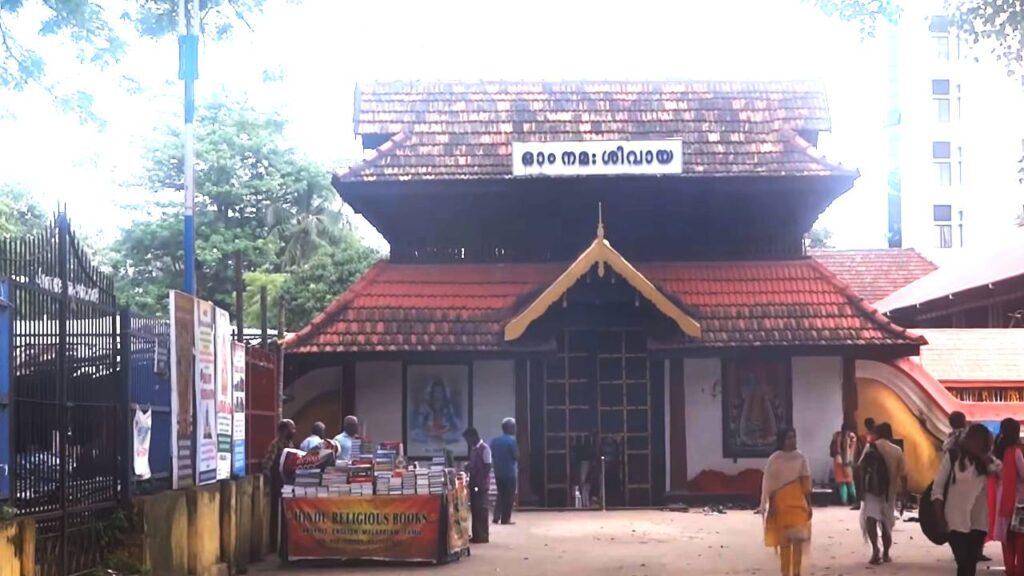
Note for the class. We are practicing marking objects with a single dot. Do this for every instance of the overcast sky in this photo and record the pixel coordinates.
(303, 59)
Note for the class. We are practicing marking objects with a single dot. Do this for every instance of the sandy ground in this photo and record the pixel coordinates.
(656, 542)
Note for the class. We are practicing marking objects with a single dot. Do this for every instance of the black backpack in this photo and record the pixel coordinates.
(926, 511)
(874, 473)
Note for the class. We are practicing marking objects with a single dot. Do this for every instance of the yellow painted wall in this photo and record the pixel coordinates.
(18, 547)
(921, 448)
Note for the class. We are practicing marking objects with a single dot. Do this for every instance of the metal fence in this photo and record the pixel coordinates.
(65, 395)
(146, 356)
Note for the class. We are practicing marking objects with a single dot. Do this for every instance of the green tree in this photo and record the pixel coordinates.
(19, 213)
(819, 238)
(321, 279)
(99, 35)
(255, 196)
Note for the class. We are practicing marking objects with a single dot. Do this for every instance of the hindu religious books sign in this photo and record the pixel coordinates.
(597, 158)
(182, 389)
(206, 395)
(757, 402)
(371, 528)
(437, 408)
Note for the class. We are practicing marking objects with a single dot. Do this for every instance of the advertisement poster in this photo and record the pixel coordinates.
(458, 519)
(238, 391)
(223, 385)
(371, 528)
(206, 395)
(438, 409)
(182, 389)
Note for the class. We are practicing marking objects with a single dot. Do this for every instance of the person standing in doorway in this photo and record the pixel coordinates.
(479, 469)
(963, 510)
(883, 472)
(786, 502)
(843, 451)
(315, 438)
(505, 451)
(1005, 490)
(349, 432)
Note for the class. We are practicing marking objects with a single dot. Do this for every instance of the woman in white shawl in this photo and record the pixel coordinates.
(786, 502)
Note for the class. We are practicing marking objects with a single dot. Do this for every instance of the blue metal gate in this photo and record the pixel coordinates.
(5, 389)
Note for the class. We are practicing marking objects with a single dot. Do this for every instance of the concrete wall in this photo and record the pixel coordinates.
(163, 519)
(494, 397)
(379, 399)
(18, 547)
(817, 409)
(817, 413)
(204, 529)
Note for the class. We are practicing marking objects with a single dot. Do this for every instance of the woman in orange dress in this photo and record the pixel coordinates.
(786, 502)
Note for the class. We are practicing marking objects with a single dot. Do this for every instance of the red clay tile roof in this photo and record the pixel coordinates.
(464, 307)
(875, 274)
(465, 130)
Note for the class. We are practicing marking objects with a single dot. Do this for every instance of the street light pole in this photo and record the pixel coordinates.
(188, 70)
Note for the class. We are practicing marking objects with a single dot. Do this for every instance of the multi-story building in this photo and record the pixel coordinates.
(955, 126)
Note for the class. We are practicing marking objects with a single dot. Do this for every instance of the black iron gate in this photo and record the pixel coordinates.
(65, 396)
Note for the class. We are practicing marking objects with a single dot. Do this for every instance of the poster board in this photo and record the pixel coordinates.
(757, 402)
(224, 390)
(437, 408)
(238, 412)
(206, 394)
(405, 528)
(458, 519)
(182, 315)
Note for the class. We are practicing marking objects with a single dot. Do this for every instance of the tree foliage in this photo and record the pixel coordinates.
(99, 33)
(20, 214)
(995, 25)
(254, 196)
(866, 14)
(819, 238)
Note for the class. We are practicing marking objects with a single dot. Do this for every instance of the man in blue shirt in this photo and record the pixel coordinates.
(505, 453)
(349, 431)
(315, 439)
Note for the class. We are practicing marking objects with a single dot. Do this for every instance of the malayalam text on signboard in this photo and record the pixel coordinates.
(599, 157)
(371, 528)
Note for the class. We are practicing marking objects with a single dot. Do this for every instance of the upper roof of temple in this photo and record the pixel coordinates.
(465, 130)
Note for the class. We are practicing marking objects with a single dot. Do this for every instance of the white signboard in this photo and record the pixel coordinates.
(599, 157)
(238, 392)
(206, 395)
(225, 396)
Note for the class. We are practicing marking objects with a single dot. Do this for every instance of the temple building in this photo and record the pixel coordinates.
(618, 265)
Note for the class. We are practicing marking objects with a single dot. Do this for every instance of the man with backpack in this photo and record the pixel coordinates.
(883, 472)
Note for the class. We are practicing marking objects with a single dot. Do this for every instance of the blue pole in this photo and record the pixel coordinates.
(188, 70)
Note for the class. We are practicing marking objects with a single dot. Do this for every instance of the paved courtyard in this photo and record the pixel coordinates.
(655, 543)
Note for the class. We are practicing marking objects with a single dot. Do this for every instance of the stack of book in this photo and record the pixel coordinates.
(336, 475)
(384, 461)
(361, 487)
(357, 447)
(408, 483)
(382, 483)
(422, 480)
(436, 481)
(395, 447)
(306, 477)
(288, 491)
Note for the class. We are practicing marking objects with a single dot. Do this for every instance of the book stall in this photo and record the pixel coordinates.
(374, 507)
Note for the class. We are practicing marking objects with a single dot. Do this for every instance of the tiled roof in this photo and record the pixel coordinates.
(875, 274)
(465, 130)
(974, 354)
(417, 307)
(987, 264)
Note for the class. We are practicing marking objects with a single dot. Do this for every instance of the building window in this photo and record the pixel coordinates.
(941, 47)
(943, 168)
(938, 24)
(942, 214)
(940, 98)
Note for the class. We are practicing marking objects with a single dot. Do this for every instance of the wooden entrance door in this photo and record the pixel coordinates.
(597, 402)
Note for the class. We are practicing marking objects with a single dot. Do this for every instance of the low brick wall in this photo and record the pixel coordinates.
(18, 547)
